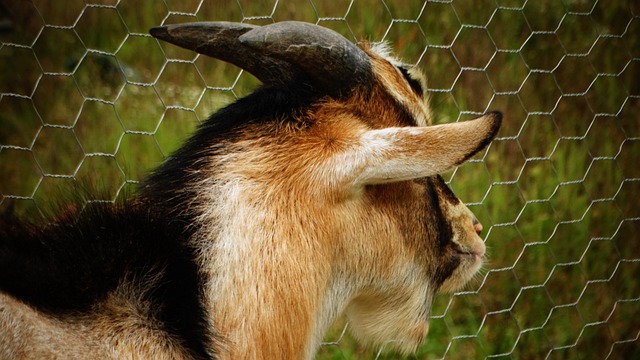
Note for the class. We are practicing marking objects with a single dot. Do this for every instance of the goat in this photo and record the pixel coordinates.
(316, 195)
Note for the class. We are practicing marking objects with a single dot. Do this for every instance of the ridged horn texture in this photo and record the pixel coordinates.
(277, 53)
(220, 40)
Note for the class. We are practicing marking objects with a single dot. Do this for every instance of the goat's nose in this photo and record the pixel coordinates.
(477, 226)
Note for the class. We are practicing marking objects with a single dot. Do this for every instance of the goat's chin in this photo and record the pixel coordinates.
(395, 322)
(470, 265)
(402, 337)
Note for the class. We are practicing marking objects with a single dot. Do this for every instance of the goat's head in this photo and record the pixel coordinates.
(347, 183)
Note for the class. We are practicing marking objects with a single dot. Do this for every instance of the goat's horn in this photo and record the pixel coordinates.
(220, 40)
(332, 62)
(277, 53)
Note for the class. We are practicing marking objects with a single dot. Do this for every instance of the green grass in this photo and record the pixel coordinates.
(557, 192)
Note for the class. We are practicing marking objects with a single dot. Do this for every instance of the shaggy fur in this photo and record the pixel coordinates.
(284, 210)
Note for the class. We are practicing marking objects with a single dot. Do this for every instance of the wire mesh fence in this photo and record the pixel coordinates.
(88, 97)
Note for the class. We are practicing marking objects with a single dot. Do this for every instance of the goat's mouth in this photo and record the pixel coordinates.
(476, 249)
(469, 262)
(470, 253)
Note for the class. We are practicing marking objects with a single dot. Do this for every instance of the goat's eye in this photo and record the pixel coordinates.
(415, 84)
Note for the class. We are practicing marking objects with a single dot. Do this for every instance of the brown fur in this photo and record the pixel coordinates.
(339, 235)
(299, 224)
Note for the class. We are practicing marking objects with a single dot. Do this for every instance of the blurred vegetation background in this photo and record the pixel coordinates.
(89, 100)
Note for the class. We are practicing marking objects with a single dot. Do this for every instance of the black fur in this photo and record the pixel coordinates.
(72, 264)
(448, 261)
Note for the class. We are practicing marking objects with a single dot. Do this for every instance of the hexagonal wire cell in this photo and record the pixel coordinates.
(86, 95)
(21, 70)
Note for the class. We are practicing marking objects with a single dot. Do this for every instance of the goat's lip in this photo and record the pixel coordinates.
(470, 253)
(476, 254)
(475, 248)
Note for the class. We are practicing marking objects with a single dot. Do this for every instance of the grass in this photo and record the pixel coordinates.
(557, 192)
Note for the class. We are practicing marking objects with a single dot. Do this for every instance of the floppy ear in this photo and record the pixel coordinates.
(404, 153)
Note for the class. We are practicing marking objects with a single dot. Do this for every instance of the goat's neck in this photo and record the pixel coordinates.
(269, 288)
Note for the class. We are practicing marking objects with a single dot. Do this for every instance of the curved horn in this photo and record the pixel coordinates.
(220, 40)
(277, 53)
(331, 61)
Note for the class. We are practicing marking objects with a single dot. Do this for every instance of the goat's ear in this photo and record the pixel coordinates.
(397, 154)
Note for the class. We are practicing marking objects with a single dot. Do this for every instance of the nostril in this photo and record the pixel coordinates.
(477, 226)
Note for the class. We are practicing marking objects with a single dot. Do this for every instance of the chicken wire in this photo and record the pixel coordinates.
(85, 90)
